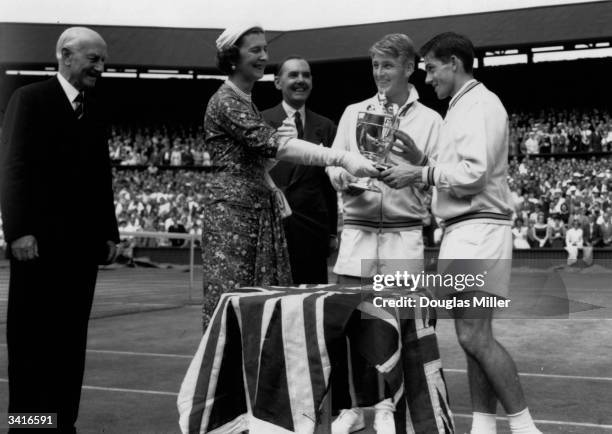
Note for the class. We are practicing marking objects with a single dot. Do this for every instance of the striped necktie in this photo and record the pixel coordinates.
(79, 106)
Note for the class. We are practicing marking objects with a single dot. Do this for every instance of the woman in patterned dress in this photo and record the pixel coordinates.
(243, 243)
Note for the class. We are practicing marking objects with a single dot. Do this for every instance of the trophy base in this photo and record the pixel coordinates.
(364, 185)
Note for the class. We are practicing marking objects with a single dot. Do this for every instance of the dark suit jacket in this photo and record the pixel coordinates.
(606, 232)
(312, 199)
(593, 237)
(55, 176)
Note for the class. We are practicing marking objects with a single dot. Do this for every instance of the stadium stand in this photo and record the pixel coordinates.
(547, 132)
(561, 188)
(560, 111)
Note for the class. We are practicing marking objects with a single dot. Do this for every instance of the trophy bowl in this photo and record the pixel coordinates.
(375, 136)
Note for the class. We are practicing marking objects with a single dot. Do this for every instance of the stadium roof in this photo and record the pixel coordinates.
(32, 45)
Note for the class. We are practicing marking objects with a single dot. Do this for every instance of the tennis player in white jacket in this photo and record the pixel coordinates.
(468, 169)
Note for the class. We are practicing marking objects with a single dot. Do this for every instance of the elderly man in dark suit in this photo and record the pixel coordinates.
(53, 142)
(311, 229)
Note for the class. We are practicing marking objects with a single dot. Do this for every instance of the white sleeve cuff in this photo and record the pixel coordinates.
(428, 175)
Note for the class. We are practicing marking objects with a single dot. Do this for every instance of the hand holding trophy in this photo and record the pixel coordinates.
(375, 137)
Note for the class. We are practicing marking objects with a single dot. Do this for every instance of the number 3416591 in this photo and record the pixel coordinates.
(30, 419)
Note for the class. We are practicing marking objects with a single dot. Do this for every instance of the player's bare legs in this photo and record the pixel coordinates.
(492, 372)
(491, 368)
(483, 397)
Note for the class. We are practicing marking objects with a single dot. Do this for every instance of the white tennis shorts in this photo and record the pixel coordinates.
(480, 246)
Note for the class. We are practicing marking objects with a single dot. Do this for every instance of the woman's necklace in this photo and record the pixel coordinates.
(241, 94)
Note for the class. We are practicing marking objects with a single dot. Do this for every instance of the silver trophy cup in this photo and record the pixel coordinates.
(375, 136)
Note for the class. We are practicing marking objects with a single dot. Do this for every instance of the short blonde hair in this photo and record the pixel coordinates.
(396, 45)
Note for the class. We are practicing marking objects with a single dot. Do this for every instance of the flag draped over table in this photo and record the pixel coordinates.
(263, 363)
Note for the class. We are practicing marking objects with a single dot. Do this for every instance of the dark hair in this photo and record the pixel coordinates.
(396, 45)
(285, 60)
(228, 57)
(448, 44)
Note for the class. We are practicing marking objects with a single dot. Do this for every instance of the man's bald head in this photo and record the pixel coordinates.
(81, 53)
(73, 37)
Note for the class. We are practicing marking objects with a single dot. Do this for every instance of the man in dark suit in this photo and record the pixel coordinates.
(55, 188)
(591, 235)
(311, 229)
(591, 232)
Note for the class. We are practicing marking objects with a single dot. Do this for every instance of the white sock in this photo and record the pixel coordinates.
(522, 423)
(483, 423)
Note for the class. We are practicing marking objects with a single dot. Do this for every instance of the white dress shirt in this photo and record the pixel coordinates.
(291, 113)
(70, 90)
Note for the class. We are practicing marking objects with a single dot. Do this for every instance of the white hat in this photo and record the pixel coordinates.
(232, 34)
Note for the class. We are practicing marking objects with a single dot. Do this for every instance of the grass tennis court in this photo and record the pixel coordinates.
(144, 331)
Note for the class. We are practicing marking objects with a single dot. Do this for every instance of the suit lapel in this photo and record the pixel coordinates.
(60, 100)
(277, 115)
(77, 132)
(312, 132)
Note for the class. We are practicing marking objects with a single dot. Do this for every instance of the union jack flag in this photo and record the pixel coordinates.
(263, 363)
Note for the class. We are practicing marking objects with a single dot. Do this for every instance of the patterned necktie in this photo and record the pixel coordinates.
(299, 126)
(79, 106)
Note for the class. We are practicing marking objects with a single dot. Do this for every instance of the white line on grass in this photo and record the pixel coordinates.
(529, 374)
(117, 389)
(123, 303)
(460, 415)
(548, 422)
(133, 353)
(460, 371)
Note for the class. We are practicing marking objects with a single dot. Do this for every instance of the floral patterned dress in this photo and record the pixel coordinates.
(243, 243)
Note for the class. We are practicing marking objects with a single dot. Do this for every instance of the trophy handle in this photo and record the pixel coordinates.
(389, 141)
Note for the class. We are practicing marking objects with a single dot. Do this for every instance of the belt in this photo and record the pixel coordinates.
(476, 215)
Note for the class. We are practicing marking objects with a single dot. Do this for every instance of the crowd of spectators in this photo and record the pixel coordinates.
(542, 132)
(562, 202)
(559, 202)
(158, 146)
(155, 200)
(560, 131)
(553, 198)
